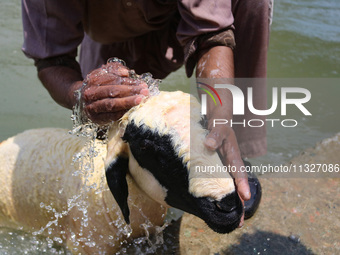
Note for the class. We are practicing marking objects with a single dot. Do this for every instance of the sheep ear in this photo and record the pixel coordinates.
(116, 180)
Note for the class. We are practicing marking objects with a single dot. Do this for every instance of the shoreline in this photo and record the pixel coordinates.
(296, 215)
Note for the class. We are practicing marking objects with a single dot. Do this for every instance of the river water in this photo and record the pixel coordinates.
(305, 43)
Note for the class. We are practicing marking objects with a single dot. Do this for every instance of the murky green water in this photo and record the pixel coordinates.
(305, 43)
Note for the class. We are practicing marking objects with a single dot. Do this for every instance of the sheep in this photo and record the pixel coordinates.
(148, 165)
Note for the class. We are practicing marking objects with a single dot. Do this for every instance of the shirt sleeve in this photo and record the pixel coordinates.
(51, 28)
(204, 24)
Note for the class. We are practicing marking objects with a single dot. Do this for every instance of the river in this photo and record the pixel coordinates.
(304, 50)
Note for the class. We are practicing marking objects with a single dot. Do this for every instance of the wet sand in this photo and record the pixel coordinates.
(296, 216)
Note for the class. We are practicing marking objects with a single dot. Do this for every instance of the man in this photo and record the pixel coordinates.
(155, 36)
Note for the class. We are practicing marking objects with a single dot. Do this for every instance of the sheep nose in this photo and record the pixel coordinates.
(229, 203)
(225, 207)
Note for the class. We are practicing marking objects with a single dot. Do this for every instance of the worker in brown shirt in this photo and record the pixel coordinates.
(222, 38)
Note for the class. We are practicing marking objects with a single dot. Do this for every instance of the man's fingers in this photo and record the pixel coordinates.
(117, 68)
(110, 79)
(242, 218)
(105, 118)
(243, 187)
(113, 71)
(101, 77)
(111, 109)
(211, 143)
(109, 105)
(241, 178)
(114, 91)
(225, 140)
(215, 138)
(110, 92)
(231, 156)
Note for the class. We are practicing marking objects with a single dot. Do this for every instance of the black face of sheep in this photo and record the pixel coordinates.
(156, 154)
(160, 156)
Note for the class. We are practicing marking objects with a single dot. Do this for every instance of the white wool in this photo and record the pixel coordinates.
(36, 168)
(147, 182)
(178, 114)
(37, 171)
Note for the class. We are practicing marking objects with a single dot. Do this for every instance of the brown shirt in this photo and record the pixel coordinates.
(54, 28)
(154, 36)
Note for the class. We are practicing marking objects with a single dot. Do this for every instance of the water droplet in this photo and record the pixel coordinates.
(115, 59)
(90, 244)
(294, 238)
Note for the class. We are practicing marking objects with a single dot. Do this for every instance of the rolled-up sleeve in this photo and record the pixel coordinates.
(51, 28)
(204, 24)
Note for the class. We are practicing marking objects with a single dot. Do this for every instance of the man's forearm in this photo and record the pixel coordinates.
(61, 82)
(218, 62)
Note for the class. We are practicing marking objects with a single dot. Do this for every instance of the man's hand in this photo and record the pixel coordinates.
(222, 139)
(218, 62)
(109, 93)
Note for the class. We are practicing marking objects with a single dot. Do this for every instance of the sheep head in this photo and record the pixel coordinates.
(160, 143)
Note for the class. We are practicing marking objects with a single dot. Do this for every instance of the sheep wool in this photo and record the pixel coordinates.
(178, 114)
(38, 182)
(148, 165)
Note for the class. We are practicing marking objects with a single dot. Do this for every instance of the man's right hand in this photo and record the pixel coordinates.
(109, 93)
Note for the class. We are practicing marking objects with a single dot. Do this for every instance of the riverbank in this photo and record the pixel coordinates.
(296, 216)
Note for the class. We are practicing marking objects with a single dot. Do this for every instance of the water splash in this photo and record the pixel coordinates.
(82, 125)
(153, 84)
(13, 241)
(147, 244)
(84, 160)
